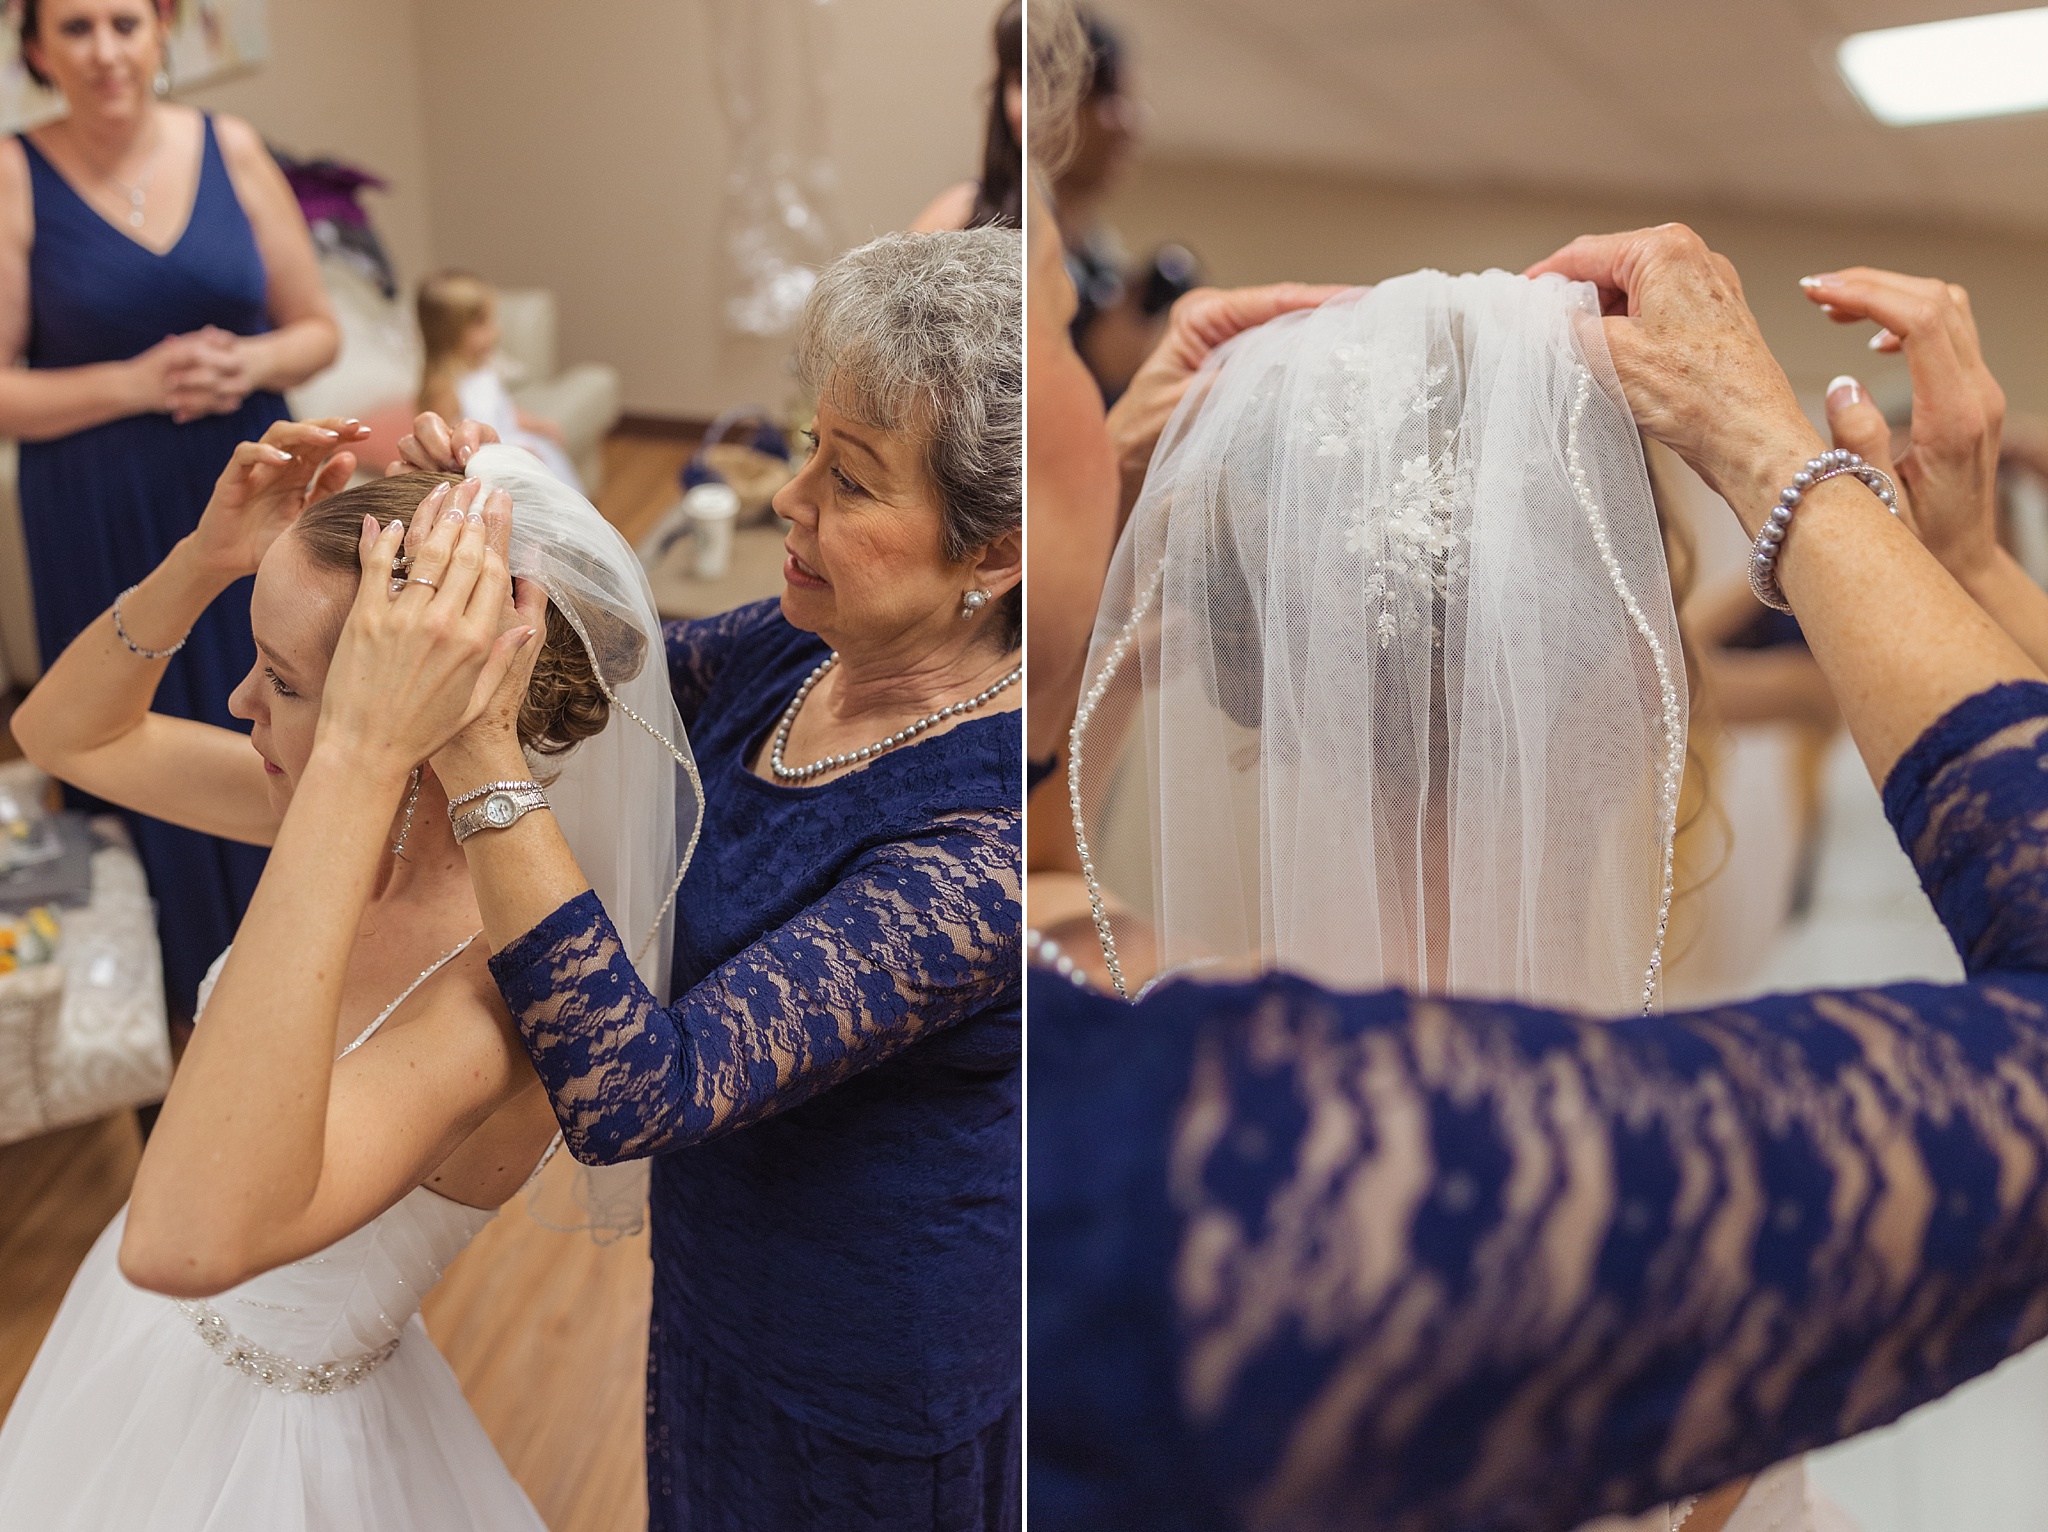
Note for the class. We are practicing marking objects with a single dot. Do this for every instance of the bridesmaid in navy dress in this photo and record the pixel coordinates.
(160, 283)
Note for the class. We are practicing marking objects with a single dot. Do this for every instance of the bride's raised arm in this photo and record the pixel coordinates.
(88, 720)
(268, 1147)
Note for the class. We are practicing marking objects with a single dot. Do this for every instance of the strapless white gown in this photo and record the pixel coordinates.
(306, 1400)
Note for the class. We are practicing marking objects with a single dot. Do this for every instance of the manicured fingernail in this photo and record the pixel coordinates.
(453, 513)
(523, 642)
(476, 518)
(278, 455)
(1843, 392)
(1823, 281)
(462, 455)
(1877, 341)
(333, 436)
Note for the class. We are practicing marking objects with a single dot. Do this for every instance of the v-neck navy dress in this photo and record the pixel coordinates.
(100, 508)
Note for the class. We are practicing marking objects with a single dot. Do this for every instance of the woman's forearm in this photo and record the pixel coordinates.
(287, 356)
(238, 1152)
(99, 689)
(40, 403)
(1899, 640)
(2009, 595)
(521, 874)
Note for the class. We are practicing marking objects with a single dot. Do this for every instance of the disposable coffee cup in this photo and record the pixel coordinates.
(712, 510)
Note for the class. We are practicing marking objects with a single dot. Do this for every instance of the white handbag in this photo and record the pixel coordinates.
(85, 1035)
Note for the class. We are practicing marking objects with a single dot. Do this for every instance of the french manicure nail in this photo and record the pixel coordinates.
(1811, 282)
(1877, 341)
(1844, 391)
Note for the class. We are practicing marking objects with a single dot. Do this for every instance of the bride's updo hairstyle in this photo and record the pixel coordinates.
(564, 704)
(924, 334)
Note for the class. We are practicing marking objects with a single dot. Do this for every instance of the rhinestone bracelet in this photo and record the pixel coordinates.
(1835, 464)
(484, 791)
(145, 652)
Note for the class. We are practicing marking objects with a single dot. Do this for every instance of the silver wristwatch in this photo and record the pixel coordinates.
(503, 804)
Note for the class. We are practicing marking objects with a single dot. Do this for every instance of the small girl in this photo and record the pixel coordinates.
(461, 379)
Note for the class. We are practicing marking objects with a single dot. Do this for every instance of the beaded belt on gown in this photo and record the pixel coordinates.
(280, 1372)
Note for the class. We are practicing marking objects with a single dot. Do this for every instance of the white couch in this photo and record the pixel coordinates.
(375, 378)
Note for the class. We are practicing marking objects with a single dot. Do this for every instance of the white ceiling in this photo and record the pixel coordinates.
(1730, 101)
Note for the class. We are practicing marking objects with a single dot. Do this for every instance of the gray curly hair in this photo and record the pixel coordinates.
(925, 333)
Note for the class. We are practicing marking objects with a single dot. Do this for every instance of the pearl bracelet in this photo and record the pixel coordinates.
(1835, 464)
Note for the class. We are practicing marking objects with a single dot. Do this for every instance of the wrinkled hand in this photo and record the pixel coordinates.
(212, 376)
(1692, 360)
(1948, 473)
(266, 485)
(416, 665)
(435, 447)
(1197, 324)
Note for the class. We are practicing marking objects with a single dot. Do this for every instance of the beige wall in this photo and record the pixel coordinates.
(1257, 225)
(579, 147)
(343, 79)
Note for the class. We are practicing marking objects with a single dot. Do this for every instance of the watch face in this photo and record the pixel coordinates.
(500, 810)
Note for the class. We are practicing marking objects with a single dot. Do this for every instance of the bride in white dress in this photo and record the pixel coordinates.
(242, 1349)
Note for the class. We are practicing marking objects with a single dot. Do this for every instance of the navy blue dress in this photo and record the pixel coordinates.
(1314, 1261)
(832, 1101)
(101, 508)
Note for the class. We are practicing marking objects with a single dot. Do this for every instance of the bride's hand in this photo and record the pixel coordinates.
(1692, 360)
(436, 447)
(265, 486)
(415, 666)
(1948, 474)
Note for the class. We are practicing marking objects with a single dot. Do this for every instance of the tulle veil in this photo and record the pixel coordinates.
(1386, 681)
(629, 801)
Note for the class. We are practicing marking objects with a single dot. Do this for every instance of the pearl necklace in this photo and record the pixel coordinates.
(902, 736)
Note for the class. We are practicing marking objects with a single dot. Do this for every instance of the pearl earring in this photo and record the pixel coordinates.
(971, 603)
(162, 82)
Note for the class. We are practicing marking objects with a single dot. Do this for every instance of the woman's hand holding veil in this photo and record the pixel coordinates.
(265, 486)
(417, 663)
(1900, 642)
(1197, 324)
(1693, 362)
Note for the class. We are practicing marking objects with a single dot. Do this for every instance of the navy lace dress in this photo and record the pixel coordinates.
(100, 508)
(1304, 1260)
(832, 1104)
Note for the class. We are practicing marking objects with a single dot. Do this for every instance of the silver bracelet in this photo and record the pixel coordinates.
(1770, 540)
(489, 787)
(146, 653)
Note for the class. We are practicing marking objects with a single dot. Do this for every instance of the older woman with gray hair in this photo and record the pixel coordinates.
(830, 1097)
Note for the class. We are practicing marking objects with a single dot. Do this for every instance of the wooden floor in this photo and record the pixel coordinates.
(640, 480)
(547, 1331)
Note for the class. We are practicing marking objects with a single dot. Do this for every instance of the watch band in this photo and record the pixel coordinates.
(489, 787)
(502, 807)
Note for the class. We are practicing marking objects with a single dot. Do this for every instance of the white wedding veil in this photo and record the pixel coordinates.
(629, 801)
(1386, 679)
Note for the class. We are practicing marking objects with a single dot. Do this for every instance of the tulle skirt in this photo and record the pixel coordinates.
(127, 1420)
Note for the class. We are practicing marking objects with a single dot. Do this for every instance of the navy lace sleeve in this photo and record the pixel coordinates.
(698, 648)
(1304, 1260)
(919, 934)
